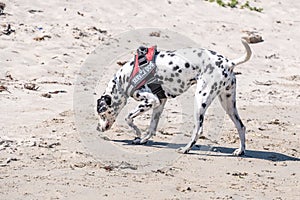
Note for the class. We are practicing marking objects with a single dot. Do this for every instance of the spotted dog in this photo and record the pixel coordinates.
(176, 72)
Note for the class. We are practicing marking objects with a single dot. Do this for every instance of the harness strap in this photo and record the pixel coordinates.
(145, 57)
(157, 90)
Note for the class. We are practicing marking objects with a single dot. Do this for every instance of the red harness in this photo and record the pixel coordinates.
(150, 57)
(144, 71)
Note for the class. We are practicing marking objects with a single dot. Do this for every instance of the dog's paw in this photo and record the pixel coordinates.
(138, 141)
(182, 150)
(239, 152)
(143, 141)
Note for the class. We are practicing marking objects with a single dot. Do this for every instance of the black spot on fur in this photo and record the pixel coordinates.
(169, 79)
(162, 55)
(178, 81)
(239, 120)
(204, 105)
(182, 85)
(219, 63)
(187, 65)
(172, 54)
(160, 77)
(179, 71)
(213, 52)
(176, 68)
(224, 73)
(170, 63)
(228, 95)
(204, 94)
(149, 105)
(199, 54)
(232, 81)
(201, 120)
(193, 143)
(210, 68)
(131, 63)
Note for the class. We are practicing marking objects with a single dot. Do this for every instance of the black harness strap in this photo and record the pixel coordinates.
(157, 90)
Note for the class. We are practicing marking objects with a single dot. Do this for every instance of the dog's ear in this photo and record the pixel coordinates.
(107, 100)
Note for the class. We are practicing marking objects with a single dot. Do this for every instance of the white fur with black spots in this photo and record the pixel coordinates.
(176, 72)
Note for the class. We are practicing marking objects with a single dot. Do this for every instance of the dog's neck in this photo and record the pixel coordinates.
(116, 88)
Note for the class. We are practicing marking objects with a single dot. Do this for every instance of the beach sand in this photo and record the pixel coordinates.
(44, 47)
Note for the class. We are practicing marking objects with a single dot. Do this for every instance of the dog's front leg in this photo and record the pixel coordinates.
(154, 120)
(149, 101)
(202, 101)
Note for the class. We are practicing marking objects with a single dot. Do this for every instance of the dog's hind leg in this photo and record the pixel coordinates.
(154, 120)
(228, 102)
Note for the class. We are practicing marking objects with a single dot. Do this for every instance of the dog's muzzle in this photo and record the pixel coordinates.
(103, 128)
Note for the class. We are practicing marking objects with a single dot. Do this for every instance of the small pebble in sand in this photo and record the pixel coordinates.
(154, 34)
(31, 86)
(46, 95)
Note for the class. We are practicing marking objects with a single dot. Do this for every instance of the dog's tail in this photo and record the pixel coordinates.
(245, 57)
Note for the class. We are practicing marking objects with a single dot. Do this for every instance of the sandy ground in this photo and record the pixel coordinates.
(43, 154)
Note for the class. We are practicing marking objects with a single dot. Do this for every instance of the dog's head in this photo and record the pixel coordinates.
(106, 113)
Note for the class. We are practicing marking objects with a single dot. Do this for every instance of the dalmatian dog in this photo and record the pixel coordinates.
(176, 72)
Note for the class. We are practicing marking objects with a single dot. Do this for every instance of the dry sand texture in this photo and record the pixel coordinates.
(45, 44)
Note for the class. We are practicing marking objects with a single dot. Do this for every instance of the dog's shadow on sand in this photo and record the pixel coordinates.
(225, 151)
